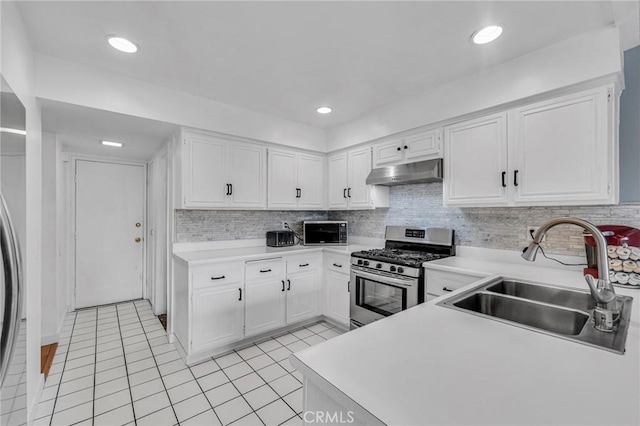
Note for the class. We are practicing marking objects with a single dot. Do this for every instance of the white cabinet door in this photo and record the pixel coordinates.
(205, 172)
(559, 150)
(264, 306)
(282, 179)
(476, 162)
(359, 167)
(336, 293)
(310, 181)
(247, 175)
(386, 153)
(302, 296)
(422, 146)
(217, 316)
(337, 178)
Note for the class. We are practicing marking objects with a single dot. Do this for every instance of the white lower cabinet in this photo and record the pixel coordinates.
(220, 305)
(336, 288)
(302, 299)
(264, 306)
(439, 283)
(217, 316)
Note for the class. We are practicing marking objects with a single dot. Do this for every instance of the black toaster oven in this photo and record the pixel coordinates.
(280, 238)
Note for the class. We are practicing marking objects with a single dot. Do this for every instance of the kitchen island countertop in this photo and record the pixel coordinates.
(430, 365)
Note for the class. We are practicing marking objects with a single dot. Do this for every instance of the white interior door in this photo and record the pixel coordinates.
(109, 205)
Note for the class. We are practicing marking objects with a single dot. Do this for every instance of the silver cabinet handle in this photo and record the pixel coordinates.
(302, 265)
(265, 270)
(218, 278)
(337, 265)
(13, 290)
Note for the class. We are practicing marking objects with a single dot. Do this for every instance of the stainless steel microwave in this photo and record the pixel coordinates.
(325, 232)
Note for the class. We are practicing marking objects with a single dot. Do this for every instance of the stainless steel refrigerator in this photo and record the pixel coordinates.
(13, 390)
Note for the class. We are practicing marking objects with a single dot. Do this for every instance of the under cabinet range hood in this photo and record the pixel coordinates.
(420, 172)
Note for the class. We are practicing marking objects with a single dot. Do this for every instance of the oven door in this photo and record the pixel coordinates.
(375, 295)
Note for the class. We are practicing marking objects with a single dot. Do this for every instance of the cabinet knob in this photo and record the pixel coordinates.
(138, 239)
(399, 149)
(405, 147)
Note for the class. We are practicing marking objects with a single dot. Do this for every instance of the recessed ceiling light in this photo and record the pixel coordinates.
(324, 110)
(487, 34)
(14, 131)
(109, 143)
(122, 44)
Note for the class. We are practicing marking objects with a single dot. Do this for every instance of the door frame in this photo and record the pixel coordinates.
(71, 224)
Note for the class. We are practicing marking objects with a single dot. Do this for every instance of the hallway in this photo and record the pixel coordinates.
(114, 366)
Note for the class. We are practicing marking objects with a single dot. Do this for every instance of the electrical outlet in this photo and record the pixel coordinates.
(285, 225)
(531, 231)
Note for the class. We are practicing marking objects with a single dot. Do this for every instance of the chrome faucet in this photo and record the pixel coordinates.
(606, 312)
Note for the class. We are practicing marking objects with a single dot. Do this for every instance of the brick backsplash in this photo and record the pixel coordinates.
(219, 225)
(416, 205)
(499, 228)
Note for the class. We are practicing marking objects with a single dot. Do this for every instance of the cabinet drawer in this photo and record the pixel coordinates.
(301, 264)
(260, 269)
(340, 264)
(217, 275)
(440, 282)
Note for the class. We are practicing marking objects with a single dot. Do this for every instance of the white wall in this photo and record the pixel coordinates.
(50, 309)
(64, 81)
(579, 59)
(17, 67)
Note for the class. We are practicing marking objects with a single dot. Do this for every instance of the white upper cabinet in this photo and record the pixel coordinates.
(221, 173)
(423, 145)
(476, 162)
(295, 180)
(347, 175)
(338, 181)
(561, 151)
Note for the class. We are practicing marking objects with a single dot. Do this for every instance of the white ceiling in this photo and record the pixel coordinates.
(287, 58)
(81, 129)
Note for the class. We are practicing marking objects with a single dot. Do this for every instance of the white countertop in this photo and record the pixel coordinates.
(198, 257)
(431, 365)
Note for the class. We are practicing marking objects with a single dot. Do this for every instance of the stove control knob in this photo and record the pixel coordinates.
(379, 265)
(359, 261)
(400, 269)
(365, 263)
(392, 268)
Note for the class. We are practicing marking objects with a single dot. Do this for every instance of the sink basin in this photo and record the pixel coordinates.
(544, 317)
(556, 311)
(554, 295)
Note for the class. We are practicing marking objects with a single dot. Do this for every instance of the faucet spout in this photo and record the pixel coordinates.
(602, 292)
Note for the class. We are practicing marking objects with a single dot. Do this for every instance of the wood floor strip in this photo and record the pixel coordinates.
(47, 353)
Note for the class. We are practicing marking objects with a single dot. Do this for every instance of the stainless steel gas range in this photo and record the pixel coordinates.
(389, 280)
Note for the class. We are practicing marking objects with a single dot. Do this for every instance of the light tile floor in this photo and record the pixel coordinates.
(115, 366)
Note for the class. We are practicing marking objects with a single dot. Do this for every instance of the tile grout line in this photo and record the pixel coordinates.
(159, 373)
(271, 387)
(66, 356)
(133, 408)
(95, 365)
(238, 390)
(203, 391)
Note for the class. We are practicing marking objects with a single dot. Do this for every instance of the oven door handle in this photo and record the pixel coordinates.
(403, 282)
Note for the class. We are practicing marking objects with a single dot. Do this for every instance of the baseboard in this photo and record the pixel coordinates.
(33, 409)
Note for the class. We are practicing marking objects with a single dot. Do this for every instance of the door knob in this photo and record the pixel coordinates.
(138, 239)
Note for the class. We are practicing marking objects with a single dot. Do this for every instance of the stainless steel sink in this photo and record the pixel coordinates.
(544, 317)
(557, 311)
(573, 299)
